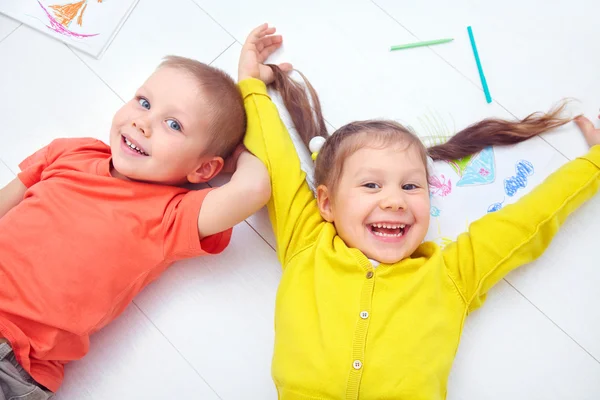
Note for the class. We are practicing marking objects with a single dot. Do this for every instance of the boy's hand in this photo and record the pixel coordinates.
(259, 45)
(231, 161)
(592, 134)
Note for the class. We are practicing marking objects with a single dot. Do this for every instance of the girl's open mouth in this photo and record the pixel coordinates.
(388, 230)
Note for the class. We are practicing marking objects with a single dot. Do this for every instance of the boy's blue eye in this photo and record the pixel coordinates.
(144, 103)
(410, 186)
(371, 185)
(173, 125)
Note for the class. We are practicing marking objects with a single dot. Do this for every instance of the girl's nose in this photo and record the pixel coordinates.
(393, 202)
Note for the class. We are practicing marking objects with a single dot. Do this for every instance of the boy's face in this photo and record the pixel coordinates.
(159, 135)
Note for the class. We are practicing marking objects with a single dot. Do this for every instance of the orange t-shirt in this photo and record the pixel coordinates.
(80, 246)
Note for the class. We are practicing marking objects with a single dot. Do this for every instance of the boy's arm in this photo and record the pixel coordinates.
(247, 192)
(11, 195)
(519, 233)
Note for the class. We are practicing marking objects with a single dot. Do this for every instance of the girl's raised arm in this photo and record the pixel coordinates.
(292, 209)
(519, 233)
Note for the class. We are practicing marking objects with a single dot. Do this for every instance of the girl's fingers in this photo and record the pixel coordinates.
(268, 41)
(258, 33)
(588, 129)
(286, 67)
(267, 51)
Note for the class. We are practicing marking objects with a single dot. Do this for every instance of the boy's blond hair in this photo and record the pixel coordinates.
(227, 117)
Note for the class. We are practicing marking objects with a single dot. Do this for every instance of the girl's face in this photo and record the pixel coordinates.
(381, 202)
(160, 135)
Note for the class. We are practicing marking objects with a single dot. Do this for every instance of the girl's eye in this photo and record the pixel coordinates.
(410, 186)
(371, 185)
(144, 103)
(173, 125)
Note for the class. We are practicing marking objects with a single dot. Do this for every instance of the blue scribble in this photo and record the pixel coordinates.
(434, 211)
(494, 207)
(523, 170)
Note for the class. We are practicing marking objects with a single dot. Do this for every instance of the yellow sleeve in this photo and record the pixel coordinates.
(519, 233)
(292, 209)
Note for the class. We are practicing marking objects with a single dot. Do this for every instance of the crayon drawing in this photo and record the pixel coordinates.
(87, 25)
(63, 15)
(495, 207)
(440, 186)
(479, 169)
(523, 169)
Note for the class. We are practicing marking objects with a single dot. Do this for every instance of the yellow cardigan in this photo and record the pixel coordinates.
(346, 330)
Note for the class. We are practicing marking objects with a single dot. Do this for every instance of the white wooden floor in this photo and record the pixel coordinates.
(204, 330)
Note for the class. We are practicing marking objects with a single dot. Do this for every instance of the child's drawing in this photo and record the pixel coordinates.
(434, 211)
(523, 170)
(435, 129)
(495, 207)
(479, 169)
(63, 15)
(442, 241)
(440, 187)
(87, 25)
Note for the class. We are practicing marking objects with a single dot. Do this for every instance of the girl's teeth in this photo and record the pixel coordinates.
(387, 226)
(388, 234)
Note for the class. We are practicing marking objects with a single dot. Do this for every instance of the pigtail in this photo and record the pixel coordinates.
(308, 119)
(490, 132)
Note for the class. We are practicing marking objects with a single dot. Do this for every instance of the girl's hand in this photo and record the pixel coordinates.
(259, 45)
(231, 162)
(591, 134)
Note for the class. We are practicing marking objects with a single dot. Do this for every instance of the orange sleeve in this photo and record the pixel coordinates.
(33, 166)
(182, 239)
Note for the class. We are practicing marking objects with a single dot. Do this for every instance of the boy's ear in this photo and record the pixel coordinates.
(324, 201)
(206, 171)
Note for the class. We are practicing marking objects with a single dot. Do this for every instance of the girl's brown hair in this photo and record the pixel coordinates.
(226, 114)
(309, 123)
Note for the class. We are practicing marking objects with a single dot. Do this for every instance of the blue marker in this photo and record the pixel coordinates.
(486, 90)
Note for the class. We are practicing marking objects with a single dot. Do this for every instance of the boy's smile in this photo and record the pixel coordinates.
(132, 147)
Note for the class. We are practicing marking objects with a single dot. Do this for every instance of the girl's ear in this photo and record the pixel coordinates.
(324, 202)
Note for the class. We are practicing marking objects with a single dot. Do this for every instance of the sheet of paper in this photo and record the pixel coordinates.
(87, 25)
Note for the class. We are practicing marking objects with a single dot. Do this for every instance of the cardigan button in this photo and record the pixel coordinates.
(369, 274)
(357, 364)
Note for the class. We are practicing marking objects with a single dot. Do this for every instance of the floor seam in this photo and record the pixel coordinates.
(10, 33)
(176, 349)
(552, 321)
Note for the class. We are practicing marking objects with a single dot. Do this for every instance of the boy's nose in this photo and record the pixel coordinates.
(144, 131)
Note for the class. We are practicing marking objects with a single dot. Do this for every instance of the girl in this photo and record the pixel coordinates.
(86, 226)
(365, 309)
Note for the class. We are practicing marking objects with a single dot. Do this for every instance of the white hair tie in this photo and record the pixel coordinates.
(315, 146)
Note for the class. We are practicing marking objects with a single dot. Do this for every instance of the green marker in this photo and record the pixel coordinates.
(420, 44)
